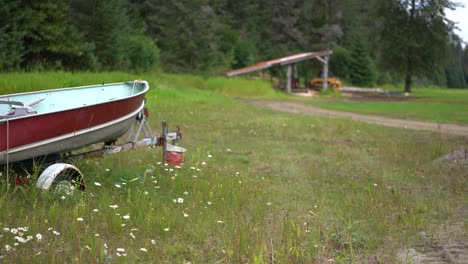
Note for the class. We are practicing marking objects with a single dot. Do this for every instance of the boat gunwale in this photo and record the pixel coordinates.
(145, 89)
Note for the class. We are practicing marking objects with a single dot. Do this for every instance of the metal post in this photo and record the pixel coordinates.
(325, 73)
(288, 84)
(164, 138)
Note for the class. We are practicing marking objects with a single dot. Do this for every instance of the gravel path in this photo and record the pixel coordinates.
(298, 108)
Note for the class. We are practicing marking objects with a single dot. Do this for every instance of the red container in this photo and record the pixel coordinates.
(174, 158)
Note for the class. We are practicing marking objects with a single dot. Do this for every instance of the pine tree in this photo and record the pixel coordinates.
(361, 70)
(187, 32)
(454, 71)
(414, 37)
(11, 35)
(50, 39)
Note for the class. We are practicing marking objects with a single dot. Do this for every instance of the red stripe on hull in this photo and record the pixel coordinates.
(35, 128)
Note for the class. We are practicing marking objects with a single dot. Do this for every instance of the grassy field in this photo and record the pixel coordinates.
(426, 104)
(257, 186)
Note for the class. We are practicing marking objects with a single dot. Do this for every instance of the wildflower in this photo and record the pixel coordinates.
(113, 206)
(143, 249)
(375, 184)
(210, 156)
(186, 193)
(79, 219)
(14, 231)
(145, 192)
(178, 167)
(126, 217)
(180, 200)
(6, 229)
(194, 176)
(153, 241)
(268, 203)
(203, 163)
(123, 225)
(192, 168)
(56, 233)
(120, 249)
(96, 210)
(63, 197)
(132, 235)
(117, 185)
(229, 150)
(88, 247)
(107, 170)
(185, 214)
(237, 173)
(240, 181)
(7, 247)
(166, 229)
(38, 237)
(22, 239)
(97, 183)
(134, 229)
(97, 235)
(220, 222)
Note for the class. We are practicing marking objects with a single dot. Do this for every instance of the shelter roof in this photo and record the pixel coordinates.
(278, 62)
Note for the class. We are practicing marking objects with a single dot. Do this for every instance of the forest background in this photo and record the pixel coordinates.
(374, 42)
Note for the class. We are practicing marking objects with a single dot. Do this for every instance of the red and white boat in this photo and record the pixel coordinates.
(37, 124)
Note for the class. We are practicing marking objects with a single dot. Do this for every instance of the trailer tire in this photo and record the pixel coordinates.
(61, 177)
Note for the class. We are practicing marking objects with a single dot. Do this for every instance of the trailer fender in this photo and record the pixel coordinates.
(61, 176)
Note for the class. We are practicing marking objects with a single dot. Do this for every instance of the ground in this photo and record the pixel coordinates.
(448, 244)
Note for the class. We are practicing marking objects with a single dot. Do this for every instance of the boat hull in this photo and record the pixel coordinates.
(63, 131)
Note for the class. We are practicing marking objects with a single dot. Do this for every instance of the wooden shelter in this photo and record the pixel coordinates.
(291, 63)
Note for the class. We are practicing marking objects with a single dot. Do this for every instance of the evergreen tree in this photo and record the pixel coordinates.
(187, 32)
(465, 63)
(361, 69)
(454, 69)
(414, 36)
(50, 39)
(11, 35)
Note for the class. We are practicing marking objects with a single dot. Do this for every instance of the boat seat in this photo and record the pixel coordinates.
(19, 108)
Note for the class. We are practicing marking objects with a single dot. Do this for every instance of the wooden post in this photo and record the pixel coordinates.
(288, 85)
(325, 73)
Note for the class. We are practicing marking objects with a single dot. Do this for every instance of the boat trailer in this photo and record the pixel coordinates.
(62, 176)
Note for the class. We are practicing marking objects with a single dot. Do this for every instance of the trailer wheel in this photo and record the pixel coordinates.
(61, 177)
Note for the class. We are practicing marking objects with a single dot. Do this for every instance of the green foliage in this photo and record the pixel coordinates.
(340, 62)
(210, 36)
(50, 39)
(142, 52)
(11, 34)
(414, 37)
(361, 68)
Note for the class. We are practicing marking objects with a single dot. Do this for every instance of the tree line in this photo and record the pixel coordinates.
(374, 42)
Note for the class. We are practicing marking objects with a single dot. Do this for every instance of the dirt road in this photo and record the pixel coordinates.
(298, 108)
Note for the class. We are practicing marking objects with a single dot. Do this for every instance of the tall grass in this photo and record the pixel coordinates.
(256, 186)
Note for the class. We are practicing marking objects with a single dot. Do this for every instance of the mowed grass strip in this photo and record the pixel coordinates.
(256, 186)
